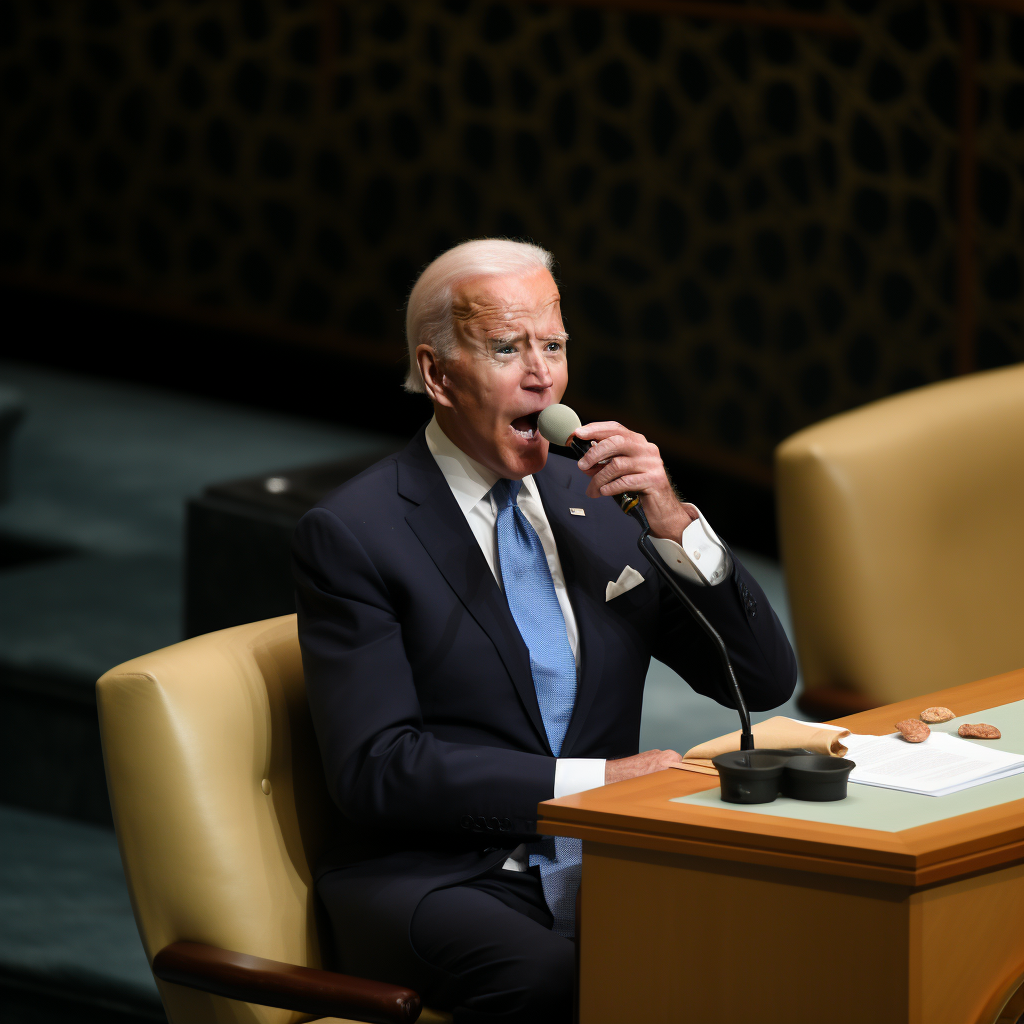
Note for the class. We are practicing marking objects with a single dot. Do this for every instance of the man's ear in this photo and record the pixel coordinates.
(434, 379)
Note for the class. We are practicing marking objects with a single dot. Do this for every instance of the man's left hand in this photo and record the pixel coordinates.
(632, 463)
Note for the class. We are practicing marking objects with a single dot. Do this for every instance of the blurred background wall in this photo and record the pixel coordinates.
(211, 213)
(762, 215)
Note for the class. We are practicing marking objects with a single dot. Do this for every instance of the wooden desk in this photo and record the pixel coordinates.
(715, 916)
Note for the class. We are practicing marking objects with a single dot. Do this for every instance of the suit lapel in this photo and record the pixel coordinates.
(442, 529)
(571, 538)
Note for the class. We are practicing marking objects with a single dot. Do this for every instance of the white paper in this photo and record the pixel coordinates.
(940, 765)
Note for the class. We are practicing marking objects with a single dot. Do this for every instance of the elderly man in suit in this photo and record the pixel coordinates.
(466, 657)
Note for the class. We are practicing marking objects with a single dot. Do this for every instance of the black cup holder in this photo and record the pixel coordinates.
(758, 776)
(816, 777)
(750, 776)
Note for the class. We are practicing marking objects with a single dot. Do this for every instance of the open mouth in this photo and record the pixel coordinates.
(526, 426)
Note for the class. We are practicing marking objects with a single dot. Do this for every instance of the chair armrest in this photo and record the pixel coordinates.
(251, 979)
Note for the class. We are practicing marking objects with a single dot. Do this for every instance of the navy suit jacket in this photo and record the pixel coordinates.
(420, 689)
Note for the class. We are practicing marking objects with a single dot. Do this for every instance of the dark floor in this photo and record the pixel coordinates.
(91, 542)
(27, 1005)
(67, 933)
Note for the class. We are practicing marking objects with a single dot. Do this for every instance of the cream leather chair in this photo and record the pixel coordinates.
(902, 533)
(219, 800)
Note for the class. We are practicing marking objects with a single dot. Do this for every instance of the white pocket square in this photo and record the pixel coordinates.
(628, 579)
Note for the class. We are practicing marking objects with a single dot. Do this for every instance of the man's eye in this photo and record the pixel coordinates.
(506, 349)
(554, 346)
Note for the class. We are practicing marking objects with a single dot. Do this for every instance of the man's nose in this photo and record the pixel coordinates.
(537, 367)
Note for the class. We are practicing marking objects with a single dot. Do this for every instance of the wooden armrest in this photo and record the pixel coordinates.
(251, 979)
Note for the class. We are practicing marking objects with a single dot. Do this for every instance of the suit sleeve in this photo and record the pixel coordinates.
(382, 767)
(758, 646)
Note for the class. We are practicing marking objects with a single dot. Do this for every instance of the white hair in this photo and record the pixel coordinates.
(428, 317)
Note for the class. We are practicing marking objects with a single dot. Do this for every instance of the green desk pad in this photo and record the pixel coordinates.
(886, 810)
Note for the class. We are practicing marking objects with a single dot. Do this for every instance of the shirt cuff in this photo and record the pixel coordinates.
(576, 774)
(701, 558)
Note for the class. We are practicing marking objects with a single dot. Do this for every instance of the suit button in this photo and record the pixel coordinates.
(506, 825)
(467, 822)
(480, 824)
(494, 825)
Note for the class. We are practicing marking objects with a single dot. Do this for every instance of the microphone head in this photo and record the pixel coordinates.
(557, 423)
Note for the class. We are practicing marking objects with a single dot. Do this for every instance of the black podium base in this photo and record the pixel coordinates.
(238, 542)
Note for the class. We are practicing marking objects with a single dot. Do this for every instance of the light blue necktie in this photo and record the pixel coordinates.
(534, 606)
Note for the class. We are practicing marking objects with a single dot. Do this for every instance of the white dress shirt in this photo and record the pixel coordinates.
(701, 558)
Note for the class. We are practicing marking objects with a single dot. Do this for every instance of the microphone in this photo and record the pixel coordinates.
(558, 425)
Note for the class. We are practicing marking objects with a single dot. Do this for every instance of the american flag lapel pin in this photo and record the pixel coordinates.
(576, 512)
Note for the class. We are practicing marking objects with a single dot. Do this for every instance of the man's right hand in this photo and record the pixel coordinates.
(639, 764)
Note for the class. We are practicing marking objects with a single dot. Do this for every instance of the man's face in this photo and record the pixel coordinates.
(509, 364)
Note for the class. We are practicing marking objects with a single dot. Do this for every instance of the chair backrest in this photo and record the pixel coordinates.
(219, 802)
(902, 532)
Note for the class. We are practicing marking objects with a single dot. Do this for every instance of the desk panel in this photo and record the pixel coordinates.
(701, 914)
(886, 810)
(671, 939)
(642, 813)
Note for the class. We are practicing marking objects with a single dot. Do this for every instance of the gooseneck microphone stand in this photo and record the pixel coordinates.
(630, 504)
(650, 552)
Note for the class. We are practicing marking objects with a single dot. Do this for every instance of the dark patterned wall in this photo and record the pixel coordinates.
(1000, 207)
(755, 227)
